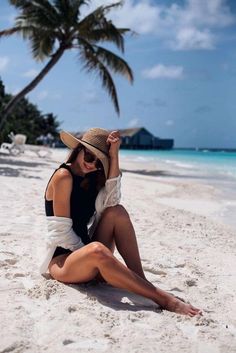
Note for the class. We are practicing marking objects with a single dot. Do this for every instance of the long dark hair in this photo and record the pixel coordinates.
(95, 179)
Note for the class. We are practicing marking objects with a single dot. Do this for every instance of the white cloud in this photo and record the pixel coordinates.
(210, 13)
(140, 16)
(177, 25)
(162, 71)
(133, 123)
(4, 61)
(192, 38)
(30, 73)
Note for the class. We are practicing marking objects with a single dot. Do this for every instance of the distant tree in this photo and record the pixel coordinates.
(27, 119)
(2, 91)
(55, 26)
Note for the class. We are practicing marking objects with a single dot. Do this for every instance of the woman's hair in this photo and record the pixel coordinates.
(74, 153)
(95, 179)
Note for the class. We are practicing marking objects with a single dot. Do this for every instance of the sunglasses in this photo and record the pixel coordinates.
(89, 157)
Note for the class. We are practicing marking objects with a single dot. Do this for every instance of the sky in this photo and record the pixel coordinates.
(183, 56)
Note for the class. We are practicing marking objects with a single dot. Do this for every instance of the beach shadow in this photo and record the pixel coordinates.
(22, 171)
(164, 174)
(19, 163)
(12, 172)
(147, 172)
(112, 297)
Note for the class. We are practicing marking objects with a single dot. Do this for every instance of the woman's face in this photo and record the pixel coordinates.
(87, 161)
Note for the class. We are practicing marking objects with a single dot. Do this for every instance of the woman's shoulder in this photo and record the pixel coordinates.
(63, 173)
(62, 177)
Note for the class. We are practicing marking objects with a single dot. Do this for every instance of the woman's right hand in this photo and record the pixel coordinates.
(114, 141)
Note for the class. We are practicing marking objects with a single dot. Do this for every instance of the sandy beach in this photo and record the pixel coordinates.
(186, 248)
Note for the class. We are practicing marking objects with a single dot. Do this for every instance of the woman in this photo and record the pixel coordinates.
(86, 222)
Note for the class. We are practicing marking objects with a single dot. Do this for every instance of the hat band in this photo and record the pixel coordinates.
(95, 147)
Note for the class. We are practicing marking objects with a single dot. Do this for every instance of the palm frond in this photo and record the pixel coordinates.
(109, 33)
(25, 30)
(92, 63)
(95, 19)
(115, 62)
(9, 31)
(42, 45)
(48, 9)
(20, 4)
(67, 11)
(108, 8)
(38, 14)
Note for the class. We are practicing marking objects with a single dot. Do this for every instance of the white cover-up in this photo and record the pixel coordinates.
(60, 231)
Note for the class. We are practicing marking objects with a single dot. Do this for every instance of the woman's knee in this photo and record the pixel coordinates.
(99, 252)
(56, 269)
(115, 212)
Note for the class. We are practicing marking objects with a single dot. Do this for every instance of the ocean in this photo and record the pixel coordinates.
(204, 163)
(216, 168)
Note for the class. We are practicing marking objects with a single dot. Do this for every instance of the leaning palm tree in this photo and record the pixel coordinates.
(55, 26)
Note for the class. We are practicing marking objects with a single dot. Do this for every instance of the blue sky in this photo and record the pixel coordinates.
(184, 63)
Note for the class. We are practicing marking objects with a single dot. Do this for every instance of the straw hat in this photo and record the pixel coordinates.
(94, 140)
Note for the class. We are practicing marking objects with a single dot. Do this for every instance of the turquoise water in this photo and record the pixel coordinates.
(201, 162)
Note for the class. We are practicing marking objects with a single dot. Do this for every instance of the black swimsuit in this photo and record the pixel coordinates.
(82, 207)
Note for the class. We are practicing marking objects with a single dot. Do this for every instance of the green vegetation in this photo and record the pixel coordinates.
(55, 26)
(27, 119)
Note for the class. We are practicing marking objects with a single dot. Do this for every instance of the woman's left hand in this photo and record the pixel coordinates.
(114, 141)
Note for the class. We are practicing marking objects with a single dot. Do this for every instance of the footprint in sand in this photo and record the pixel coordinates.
(45, 290)
(191, 282)
(8, 263)
(67, 341)
(204, 321)
(5, 234)
(10, 275)
(154, 271)
(72, 308)
(180, 266)
(7, 253)
(16, 275)
(11, 261)
(16, 347)
(176, 289)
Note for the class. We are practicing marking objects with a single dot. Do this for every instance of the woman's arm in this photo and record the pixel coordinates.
(62, 187)
(114, 141)
(60, 226)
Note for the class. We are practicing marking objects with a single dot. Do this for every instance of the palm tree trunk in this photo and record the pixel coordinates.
(6, 111)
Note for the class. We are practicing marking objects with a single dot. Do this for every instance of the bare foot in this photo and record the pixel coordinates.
(179, 307)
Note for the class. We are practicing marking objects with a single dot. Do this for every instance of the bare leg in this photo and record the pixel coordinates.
(115, 226)
(84, 264)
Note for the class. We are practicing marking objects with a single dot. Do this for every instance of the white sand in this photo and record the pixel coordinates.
(183, 248)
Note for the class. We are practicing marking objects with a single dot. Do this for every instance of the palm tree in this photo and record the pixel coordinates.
(54, 26)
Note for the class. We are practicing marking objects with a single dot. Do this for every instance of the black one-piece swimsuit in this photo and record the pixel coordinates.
(82, 207)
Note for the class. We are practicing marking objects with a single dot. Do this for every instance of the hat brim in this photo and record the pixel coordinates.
(72, 142)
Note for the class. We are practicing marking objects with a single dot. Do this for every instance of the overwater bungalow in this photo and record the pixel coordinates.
(141, 138)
